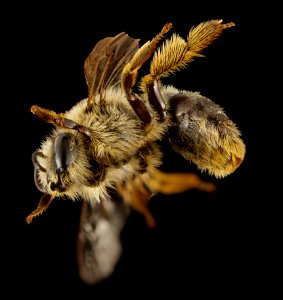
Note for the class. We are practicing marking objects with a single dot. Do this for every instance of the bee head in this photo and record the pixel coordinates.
(62, 166)
(52, 174)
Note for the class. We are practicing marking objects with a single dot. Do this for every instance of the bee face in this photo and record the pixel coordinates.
(51, 166)
(62, 165)
(106, 147)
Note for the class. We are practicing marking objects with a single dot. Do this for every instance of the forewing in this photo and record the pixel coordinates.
(99, 247)
(104, 64)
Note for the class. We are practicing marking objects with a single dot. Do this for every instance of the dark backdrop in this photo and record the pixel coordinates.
(205, 244)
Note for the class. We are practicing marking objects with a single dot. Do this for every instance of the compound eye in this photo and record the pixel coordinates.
(65, 151)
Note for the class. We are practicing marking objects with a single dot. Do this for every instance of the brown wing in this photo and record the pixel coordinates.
(98, 246)
(104, 64)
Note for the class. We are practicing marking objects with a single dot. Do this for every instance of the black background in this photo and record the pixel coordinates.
(209, 244)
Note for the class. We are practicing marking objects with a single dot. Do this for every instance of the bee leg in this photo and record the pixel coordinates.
(43, 204)
(176, 53)
(173, 183)
(137, 196)
(139, 108)
(130, 73)
(154, 96)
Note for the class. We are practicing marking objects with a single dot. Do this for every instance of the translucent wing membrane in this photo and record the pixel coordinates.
(104, 64)
(99, 247)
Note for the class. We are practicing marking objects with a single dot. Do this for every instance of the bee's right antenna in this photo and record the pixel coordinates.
(59, 120)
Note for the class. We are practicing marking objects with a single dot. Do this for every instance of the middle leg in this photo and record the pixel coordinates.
(129, 79)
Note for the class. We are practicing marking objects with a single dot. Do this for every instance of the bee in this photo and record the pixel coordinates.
(106, 150)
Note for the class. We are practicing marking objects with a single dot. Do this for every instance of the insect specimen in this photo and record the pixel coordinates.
(106, 149)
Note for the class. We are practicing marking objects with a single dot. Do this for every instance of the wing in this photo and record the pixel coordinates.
(104, 64)
(98, 246)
